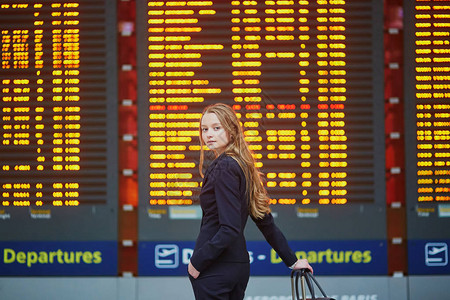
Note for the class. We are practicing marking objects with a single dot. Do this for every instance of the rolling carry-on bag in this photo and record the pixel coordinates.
(307, 281)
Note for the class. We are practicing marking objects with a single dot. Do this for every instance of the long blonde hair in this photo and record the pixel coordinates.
(239, 150)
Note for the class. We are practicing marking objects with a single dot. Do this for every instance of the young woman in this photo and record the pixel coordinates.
(232, 190)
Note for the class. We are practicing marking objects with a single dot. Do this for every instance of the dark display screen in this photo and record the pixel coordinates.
(58, 141)
(427, 115)
(305, 79)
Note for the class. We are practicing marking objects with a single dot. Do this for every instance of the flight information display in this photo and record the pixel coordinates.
(427, 114)
(58, 113)
(298, 73)
(304, 77)
(430, 104)
(306, 80)
(427, 134)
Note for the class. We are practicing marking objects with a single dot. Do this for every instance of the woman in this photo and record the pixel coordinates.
(232, 190)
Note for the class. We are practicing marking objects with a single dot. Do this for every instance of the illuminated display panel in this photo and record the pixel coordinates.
(303, 77)
(432, 106)
(57, 112)
(53, 140)
(427, 107)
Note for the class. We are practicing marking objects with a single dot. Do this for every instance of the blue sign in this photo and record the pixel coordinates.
(58, 258)
(164, 258)
(428, 257)
(326, 257)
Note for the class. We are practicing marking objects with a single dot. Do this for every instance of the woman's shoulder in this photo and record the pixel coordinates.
(226, 163)
(229, 161)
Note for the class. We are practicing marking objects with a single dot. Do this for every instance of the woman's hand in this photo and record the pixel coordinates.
(302, 264)
(193, 271)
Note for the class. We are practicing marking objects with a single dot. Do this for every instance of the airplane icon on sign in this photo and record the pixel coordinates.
(436, 250)
(166, 256)
(436, 254)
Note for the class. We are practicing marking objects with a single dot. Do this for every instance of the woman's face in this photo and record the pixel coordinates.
(213, 134)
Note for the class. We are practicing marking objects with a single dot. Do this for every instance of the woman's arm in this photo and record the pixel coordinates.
(226, 180)
(277, 240)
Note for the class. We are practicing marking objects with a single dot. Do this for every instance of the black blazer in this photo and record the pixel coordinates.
(225, 212)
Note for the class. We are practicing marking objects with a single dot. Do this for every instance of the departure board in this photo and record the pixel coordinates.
(304, 77)
(427, 116)
(58, 117)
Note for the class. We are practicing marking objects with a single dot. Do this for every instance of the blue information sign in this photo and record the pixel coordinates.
(428, 257)
(326, 257)
(58, 258)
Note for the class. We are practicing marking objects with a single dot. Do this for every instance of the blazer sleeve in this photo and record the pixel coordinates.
(276, 239)
(226, 187)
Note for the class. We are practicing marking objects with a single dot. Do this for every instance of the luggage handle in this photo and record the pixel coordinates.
(305, 276)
